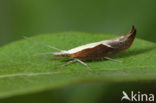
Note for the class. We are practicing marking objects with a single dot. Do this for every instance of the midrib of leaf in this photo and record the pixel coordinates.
(26, 74)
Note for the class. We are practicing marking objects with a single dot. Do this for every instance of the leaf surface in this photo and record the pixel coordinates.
(21, 72)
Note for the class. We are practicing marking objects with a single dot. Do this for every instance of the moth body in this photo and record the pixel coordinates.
(101, 49)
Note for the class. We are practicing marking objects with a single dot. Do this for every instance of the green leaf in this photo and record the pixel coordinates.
(21, 73)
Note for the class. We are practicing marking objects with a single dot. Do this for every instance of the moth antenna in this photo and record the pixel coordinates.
(42, 54)
(46, 45)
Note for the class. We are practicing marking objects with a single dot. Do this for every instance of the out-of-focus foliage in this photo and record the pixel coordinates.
(31, 17)
(85, 93)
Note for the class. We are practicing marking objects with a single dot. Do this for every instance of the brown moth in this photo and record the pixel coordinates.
(101, 49)
(96, 50)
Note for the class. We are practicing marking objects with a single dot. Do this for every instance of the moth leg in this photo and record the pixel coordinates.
(83, 63)
(68, 62)
(113, 59)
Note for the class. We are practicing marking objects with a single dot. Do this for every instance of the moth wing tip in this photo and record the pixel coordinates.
(133, 30)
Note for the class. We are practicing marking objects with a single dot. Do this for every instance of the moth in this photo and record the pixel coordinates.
(95, 51)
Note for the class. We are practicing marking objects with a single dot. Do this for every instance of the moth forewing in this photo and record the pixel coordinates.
(101, 49)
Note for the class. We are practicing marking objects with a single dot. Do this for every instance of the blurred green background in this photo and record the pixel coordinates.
(33, 17)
